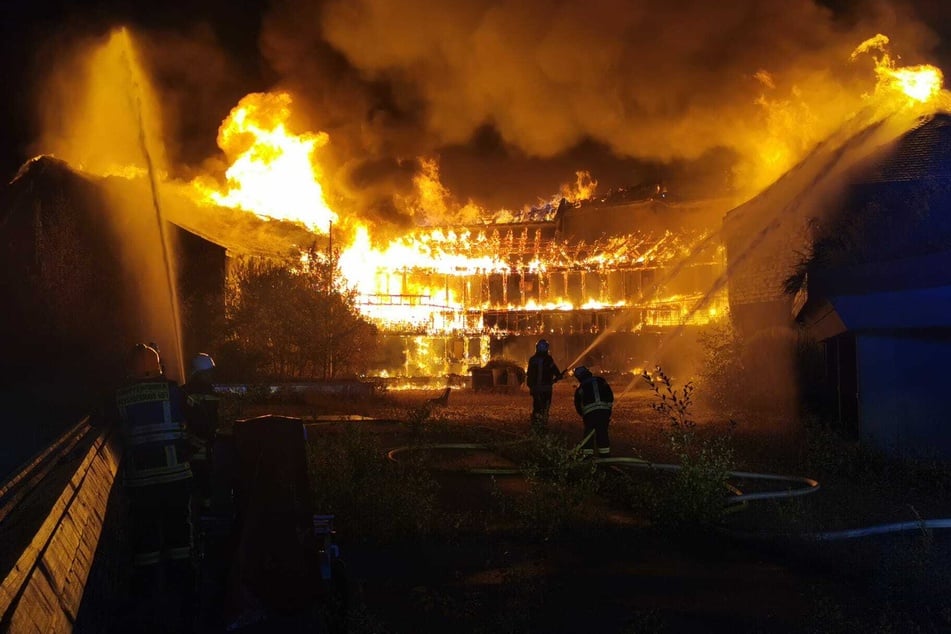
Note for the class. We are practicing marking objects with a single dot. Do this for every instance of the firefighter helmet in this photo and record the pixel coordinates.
(581, 372)
(145, 362)
(542, 346)
(202, 362)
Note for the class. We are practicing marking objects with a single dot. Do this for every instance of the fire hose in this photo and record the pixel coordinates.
(804, 486)
(809, 485)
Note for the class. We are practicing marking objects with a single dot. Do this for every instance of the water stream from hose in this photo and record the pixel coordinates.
(803, 191)
(135, 95)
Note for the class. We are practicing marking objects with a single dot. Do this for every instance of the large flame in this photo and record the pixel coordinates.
(911, 84)
(273, 172)
(433, 280)
(794, 122)
(438, 281)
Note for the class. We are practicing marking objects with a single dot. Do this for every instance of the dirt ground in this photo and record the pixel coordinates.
(758, 571)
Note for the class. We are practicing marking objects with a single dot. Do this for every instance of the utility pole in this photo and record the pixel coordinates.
(329, 365)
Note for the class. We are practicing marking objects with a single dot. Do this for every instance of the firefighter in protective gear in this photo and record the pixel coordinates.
(201, 414)
(541, 375)
(593, 402)
(157, 477)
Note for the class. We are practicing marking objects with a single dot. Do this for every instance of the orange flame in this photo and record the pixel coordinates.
(272, 172)
(917, 84)
(423, 280)
(795, 121)
(432, 203)
(584, 188)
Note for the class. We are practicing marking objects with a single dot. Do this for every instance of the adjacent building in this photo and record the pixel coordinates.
(864, 270)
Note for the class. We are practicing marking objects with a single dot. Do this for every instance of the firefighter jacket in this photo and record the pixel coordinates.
(541, 373)
(201, 415)
(151, 417)
(593, 394)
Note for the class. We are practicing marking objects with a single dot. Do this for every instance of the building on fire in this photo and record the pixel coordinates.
(618, 283)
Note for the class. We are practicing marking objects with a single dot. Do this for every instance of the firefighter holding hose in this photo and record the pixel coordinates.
(541, 375)
(593, 402)
(149, 411)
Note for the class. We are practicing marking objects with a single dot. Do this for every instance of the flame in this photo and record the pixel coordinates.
(584, 188)
(272, 171)
(437, 281)
(442, 281)
(799, 116)
(918, 84)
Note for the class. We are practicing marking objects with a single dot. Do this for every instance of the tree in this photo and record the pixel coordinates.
(295, 319)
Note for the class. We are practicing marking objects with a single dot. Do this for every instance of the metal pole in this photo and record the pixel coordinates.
(329, 367)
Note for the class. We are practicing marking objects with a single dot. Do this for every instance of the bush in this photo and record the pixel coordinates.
(720, 375)
(559, 482)
(694, 497)
(293, 320)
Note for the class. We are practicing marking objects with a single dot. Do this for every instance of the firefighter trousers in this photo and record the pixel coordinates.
(541, 403)
(597, 422)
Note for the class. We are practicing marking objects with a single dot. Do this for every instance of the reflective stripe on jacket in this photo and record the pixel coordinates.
(153, 432)
(593, 394)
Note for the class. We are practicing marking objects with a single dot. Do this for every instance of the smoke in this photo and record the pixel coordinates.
(645, 80)
(83, 110)
(102, 117)
(511, 99)
(88, 115)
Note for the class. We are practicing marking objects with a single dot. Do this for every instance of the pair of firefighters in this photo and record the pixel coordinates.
(593, 399)
(166, 431)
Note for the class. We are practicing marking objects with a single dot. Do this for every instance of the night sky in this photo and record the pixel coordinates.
(514, 97)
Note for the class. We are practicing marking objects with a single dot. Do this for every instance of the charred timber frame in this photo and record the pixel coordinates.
(549, 284)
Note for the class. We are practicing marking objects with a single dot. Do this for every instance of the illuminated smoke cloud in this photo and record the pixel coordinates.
(513, 98)
(652, 80)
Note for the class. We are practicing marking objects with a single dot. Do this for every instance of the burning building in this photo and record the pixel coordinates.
(620, 282)
(605, 280)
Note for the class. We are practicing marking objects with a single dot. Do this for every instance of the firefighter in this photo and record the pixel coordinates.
(541, 375)
(201, 414)
(593, 402)
(157, 477)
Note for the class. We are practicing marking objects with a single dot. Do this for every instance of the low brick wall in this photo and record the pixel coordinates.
(44, 589)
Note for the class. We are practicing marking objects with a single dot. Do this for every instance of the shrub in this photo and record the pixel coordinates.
(559, 481)
(694, 497)
(293, 320)
(722, 366)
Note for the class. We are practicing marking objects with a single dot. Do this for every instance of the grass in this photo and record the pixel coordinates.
(517, 526)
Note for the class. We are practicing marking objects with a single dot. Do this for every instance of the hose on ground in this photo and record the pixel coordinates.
(880, 529)
(738, 499)
(808, 484)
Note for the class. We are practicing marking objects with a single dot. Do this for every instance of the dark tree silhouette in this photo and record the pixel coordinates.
(294, 320)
